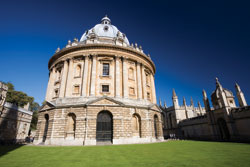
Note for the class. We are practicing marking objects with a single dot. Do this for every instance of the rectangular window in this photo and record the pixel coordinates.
(105, 69)
(132, 91)
(76, 89)
(131, 73)
(105, 88)
(148, 95)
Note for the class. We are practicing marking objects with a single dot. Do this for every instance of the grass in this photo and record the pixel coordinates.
(171, 154)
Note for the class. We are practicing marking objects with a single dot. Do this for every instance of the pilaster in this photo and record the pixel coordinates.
(117, 76)
(68, 92)
(139, 83)
(51, 82)
(93, 76)
(153, 89)
(85, 76)
(144, 86)
(64, 78)
(125, 78)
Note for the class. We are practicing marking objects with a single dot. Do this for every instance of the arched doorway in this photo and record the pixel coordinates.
(156, 121)
(46, 116)
(224, 132)
(104, 127)
(136, 125)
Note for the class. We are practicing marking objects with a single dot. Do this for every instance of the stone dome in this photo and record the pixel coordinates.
(215, 95)
(104, 32)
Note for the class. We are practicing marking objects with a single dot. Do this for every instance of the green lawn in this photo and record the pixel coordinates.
(173, 153)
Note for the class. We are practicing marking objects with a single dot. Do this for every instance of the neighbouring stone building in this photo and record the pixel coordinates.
(14, 121)
(222, 122)
(100, 90)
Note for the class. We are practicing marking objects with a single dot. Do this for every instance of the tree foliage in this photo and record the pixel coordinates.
(18, 98)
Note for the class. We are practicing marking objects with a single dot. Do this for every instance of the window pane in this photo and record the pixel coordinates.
(105, 88)
(105, 70)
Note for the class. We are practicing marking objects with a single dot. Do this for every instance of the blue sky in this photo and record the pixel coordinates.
(191, 42)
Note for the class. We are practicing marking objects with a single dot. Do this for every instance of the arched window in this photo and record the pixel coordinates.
(136, 125)
(131, 73)
(78, 70)
(71, 125)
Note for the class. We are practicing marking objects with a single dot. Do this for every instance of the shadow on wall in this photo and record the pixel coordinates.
(8, 131)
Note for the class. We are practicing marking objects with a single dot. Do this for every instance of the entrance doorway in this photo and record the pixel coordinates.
(224, 132)
(104, 127)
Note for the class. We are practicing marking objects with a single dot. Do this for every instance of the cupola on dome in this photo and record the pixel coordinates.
(104, 33)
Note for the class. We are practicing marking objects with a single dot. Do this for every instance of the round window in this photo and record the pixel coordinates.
(106, 28)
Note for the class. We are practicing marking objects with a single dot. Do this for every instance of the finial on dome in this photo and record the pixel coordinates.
(217, 81)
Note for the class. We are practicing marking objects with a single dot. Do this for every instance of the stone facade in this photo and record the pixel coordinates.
(101, 75)
(14, 121)
(222, 122)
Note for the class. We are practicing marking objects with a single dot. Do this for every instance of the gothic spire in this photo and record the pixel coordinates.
(184, 101)
(174, 94)
(160, 102)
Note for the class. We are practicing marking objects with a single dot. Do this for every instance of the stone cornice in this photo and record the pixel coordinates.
(97, 46)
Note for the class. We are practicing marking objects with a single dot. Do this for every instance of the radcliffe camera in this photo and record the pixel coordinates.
(124, 84)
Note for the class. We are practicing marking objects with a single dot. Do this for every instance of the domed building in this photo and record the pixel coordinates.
(100, 91)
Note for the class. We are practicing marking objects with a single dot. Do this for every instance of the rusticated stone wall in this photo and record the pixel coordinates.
(86, 121)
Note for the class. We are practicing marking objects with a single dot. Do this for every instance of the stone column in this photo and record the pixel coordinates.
(153, 88)
(85, 76)
(117, 76)
(50, 86)
(69, 88)
(139, 84)
(64, 79)
(93, 76)
(144, 86)
(125, 78)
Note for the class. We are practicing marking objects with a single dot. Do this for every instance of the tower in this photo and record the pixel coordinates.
(240, 96)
